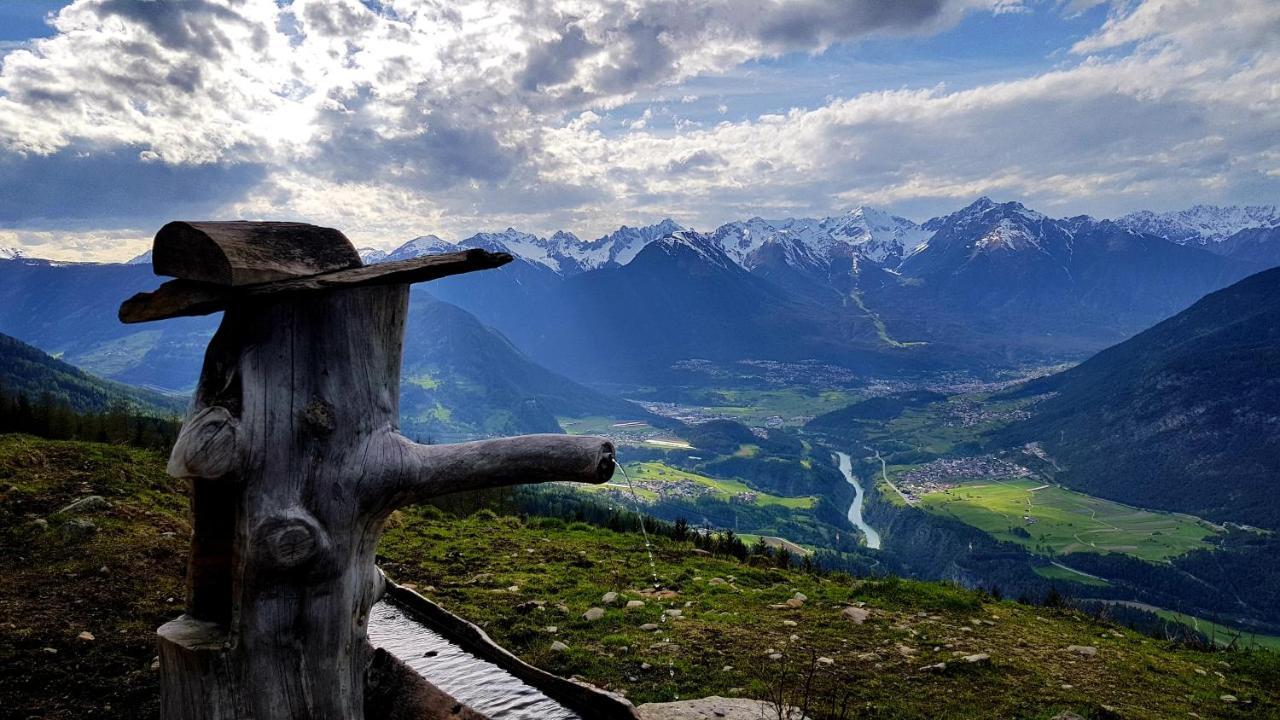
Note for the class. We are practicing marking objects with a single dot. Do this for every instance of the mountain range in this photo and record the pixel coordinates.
(870, 234)
(990, 286)
(462, 378)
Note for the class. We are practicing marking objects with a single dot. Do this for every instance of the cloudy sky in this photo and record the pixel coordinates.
(396, 118)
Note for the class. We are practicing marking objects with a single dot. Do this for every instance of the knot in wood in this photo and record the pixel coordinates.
(207, 447)
(320, 416)
(291, 541)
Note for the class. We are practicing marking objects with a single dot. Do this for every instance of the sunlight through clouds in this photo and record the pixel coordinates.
(403, 117)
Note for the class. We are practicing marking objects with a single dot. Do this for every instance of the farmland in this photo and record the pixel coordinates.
(657, 477)
(1055, 521)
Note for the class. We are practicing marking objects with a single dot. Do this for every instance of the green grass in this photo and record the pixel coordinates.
(790, 404)
(424, 380)
(120, 354)
(123, 581)
(1068, 521)
(119, 582)
(774, 541)
(937, 428)
(636, 431)
(1223, 634)
(1053, 572)
(724, 489)
(720, 644)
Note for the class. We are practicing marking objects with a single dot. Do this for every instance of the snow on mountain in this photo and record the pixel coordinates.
(521, 244)
(985, 226)
(620, 246)
(864, 232)
(143, 259)
(739, 240)
(1202, 224)
(703, 246)
(371, 256)
(563, 252)
(11, 254)
(424, 245)
(879, 236)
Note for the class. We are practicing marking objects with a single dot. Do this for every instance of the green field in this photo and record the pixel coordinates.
(752, 406)
(624, 432)
(1067, 521)
(1223, 634)
(598, 424)
(775, 542)
(724, 489)
(1053, 572)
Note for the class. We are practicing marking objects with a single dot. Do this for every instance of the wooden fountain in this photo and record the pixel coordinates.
(295, 461)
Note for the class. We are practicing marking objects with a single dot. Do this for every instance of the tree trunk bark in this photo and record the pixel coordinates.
(293, 451)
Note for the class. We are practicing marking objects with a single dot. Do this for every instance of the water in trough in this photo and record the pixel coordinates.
(478, 683)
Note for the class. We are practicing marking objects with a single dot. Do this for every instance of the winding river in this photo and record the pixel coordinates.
(855, 509)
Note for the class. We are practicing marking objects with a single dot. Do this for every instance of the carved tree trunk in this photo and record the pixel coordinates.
(295, 461)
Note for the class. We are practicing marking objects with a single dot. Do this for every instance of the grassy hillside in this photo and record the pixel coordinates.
(462, 378)
(29, 371)
(113, 569)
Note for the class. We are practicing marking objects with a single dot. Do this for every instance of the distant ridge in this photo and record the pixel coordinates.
(1182, 416)
(28, 371)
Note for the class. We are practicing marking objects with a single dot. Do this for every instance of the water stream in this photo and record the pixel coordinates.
(478, 683)
(855, 508)
(648, 547)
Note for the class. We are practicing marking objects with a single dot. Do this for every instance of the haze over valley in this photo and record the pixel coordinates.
(734, 367)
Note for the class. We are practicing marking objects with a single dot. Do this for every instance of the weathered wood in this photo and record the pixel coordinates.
(178, 298)
(297, 410)
(207, 447)
(196, 651)
(238, 253)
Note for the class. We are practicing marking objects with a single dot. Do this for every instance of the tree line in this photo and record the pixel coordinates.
(49, 417)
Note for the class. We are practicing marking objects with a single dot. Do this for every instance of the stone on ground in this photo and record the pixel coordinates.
(593, 614)
(855, 614)
(89, 503)
(712, 708)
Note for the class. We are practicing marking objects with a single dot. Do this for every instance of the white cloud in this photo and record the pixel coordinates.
(423, 115)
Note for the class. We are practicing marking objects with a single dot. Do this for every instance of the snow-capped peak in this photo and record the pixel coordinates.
(878, 235)
(867, 232)
(618, 247)
(523, 245)
(705, 247)
(562, 253)
(423, 245)
(11, 254)
(371, 256)
(1201, 224)
(143, 259)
